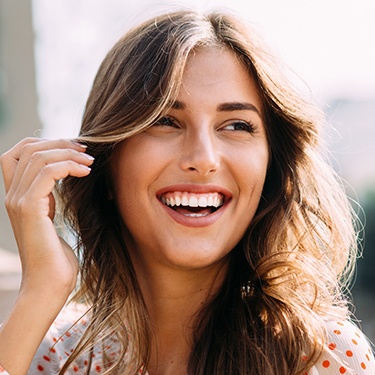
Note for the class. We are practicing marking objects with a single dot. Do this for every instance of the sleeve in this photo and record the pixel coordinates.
(347, 352)
(58, 345)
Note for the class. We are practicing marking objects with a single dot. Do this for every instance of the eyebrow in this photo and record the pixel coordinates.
(237, 106)
(224, 107)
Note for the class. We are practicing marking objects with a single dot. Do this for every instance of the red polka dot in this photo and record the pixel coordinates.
(305, 358)
(98, 368)
(349, 353)
(75, 369)
(363, 365)
(342, 370)
(52, 350)
(337, 332)
(46, 358)
(355, 342)
(40, 368)
(332, 346)
(326, 364)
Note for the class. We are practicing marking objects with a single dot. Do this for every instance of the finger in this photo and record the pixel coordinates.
(39, 160)
(16, 159)
(9, 161)
(28, 150)
(35, 200)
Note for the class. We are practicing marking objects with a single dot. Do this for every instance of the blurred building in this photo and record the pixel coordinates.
(18, 99)
(351, 140)
(18, 119)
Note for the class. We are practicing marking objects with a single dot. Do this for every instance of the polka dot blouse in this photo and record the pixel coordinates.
(348, 352)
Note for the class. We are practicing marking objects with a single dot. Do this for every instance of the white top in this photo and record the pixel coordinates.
(349, 352)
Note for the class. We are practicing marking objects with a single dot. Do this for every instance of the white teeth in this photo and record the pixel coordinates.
(184, 200)
(202, 202)
(216, 202)
(193, 200)
(178, 200)
(196, 215)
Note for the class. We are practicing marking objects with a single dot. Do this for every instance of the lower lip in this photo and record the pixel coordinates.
(195, 222)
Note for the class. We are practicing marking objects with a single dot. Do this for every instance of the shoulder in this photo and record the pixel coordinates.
(347, 351)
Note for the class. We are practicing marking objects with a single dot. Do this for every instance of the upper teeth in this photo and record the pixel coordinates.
(193, 200)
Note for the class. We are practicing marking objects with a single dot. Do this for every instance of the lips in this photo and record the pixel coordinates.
(194, 205)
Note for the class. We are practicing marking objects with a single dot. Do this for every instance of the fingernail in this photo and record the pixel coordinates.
(85, 167)
(87, 156)
(79, 144)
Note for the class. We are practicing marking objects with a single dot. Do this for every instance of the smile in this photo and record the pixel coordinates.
(192, 204)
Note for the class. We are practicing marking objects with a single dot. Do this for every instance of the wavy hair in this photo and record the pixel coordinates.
(287, 273)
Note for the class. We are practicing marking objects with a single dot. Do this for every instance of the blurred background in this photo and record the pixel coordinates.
(50, 51)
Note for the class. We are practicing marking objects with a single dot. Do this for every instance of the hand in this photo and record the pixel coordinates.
(30, 170)
(49, 266)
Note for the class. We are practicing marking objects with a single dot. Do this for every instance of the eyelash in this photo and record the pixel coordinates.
(244, 126)
(163, 121)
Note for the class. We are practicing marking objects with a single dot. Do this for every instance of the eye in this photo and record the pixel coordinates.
(240, 126)
(166, 121)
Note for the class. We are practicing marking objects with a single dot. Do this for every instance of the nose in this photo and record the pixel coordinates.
(200, 152)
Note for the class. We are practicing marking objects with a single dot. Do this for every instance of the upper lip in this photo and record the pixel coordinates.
(195, 188)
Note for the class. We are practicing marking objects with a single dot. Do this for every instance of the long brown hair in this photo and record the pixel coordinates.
(285, 275)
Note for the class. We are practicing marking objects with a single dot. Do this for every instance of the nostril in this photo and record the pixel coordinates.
(202, 168)
(200, 155)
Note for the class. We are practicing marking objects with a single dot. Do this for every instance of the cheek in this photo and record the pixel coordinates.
(255, 168)
(253, 179)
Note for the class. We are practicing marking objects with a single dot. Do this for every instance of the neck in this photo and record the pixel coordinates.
(173, 297)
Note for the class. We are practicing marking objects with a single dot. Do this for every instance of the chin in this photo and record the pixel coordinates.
(198, 260)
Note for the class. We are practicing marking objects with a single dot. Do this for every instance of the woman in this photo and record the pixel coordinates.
(213, 239)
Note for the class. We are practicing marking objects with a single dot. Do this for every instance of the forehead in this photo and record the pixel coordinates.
(219, 72)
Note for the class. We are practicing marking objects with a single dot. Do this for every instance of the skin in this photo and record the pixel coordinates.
(204, 144)
(180, 263)
(49, 267)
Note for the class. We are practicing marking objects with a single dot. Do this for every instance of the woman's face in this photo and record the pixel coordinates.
(188, 187)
